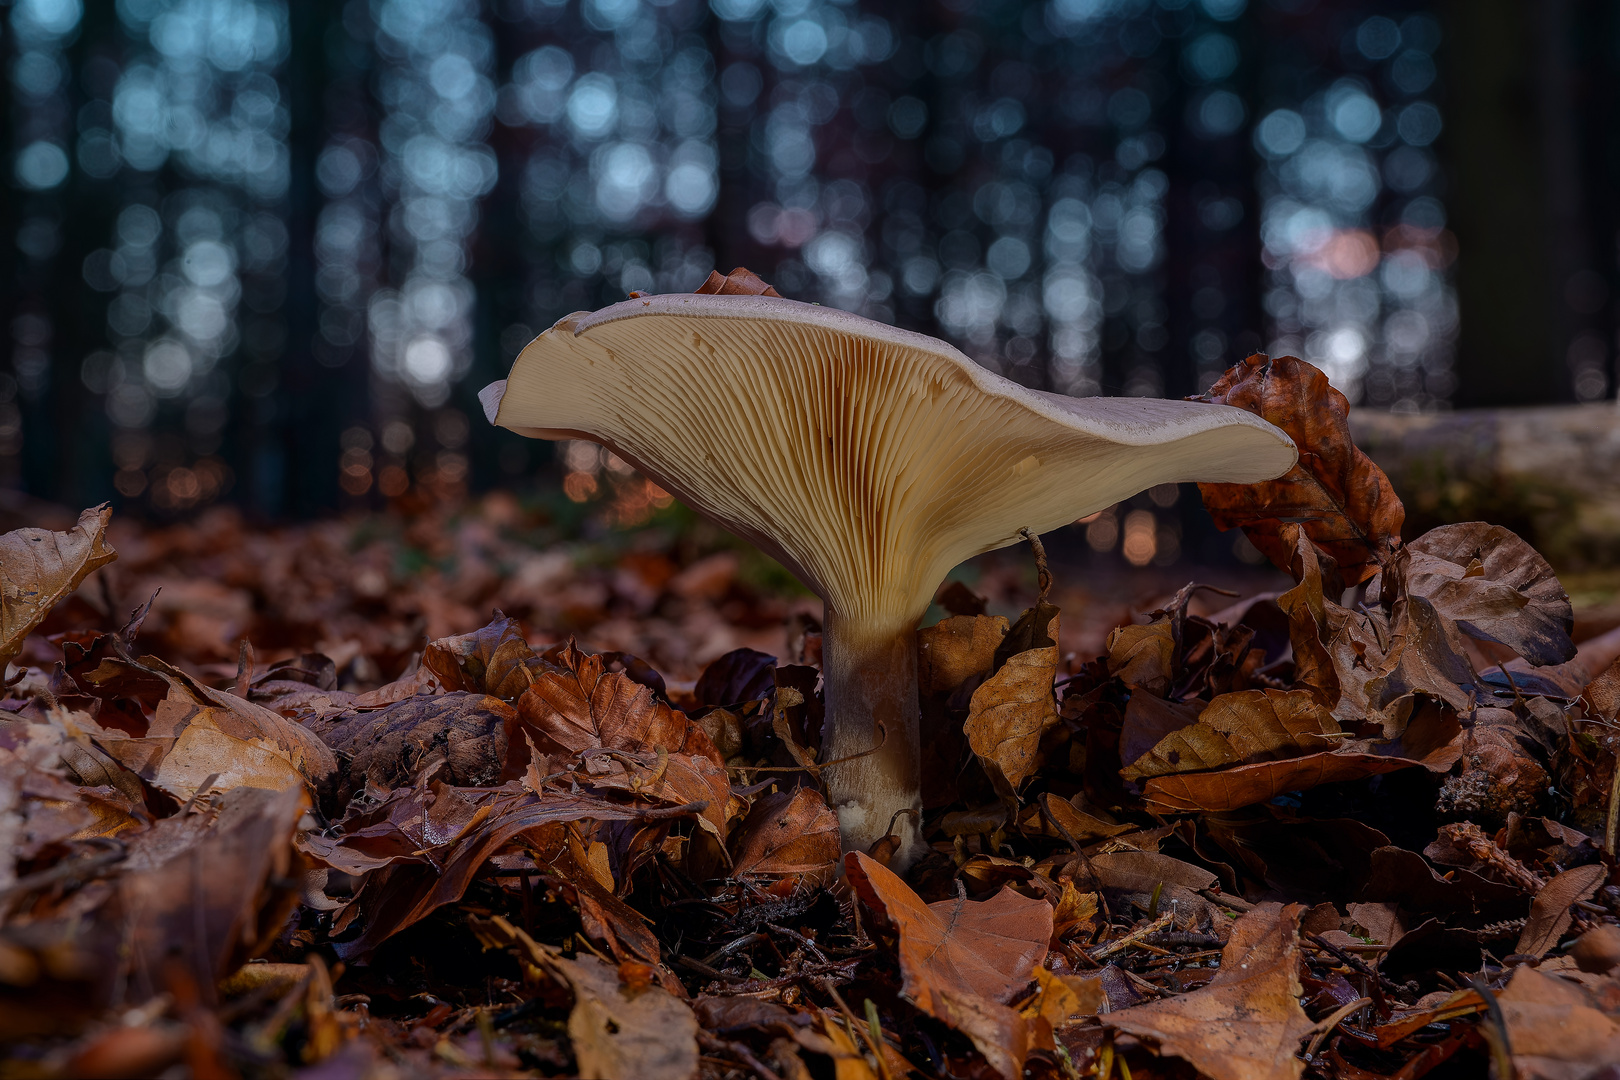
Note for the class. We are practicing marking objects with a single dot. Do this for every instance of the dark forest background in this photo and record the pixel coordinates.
(266, 252)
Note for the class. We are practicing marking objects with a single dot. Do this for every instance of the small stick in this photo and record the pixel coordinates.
(1327, 1026)
(1043, 574)
(1111, 947)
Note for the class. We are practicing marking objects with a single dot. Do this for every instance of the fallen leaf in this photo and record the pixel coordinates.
(495, 659)
(204, 888)
(1012, 709)
(1245, 785)
(1144, 871)
(582, 707)
(1306, 606)
(739, 676)
(1241, 728)
(1000, 1034)
(1493, 586)
(1557, 1030)
(740, 282)
(617, 1033)
(788, 834)
(198, 733)
(1550, 917)
(1343, 501)
(956, 649)
(39, 568)
(970, 949)
(1143, 655)
(1602, 694)
(1247, 1023)
(1149, 720)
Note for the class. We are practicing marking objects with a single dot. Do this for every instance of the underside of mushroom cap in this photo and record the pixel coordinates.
(868, 459)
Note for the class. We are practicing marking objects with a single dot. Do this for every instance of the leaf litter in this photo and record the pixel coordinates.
(1362, 828)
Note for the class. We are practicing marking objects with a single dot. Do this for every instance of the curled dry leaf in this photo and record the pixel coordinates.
(1145, 871)
(1247, 1023)
(986, 949)
(198, 733)
(740, 282)
(1343, 501)
(1249, 726)
(582, 707)
(1493, 586)
(956, 649)
(39, 567)
(618, 1032)
(1246, 785)
(1557, 1029)
(1550, 917)
(788, 834)
(494, 660)
(1143, 656)
(1012, 709)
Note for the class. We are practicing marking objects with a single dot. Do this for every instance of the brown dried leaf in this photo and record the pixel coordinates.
(1493, 586)
(956, 649)
(1144, 871)
(1306, 606)
(1143, 655)
(198, 732)
(1550, 917)
(1149, 720)
(739, 676)
(494, 660)
(998, 1032)
(788, 834)
(1247, 1023)
(1557, 1029)
(618, 1032)
(1602, 694)
(203, 888)
(1343, 501)
(39, 568)
(1249, 726)
(987, 949)
(582, 707)
(1012, 709)
(740, 282)
(1245, 785)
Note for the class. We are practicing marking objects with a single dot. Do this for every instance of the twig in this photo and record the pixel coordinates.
(1327, 1026)
(1132, 938)
(1232, 903)
(1614, 810)
(1354, 963)
(737, 1050)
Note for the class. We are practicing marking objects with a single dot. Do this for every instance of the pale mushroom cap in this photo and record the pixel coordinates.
(869, 460)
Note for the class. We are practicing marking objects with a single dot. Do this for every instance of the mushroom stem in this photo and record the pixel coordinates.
(871, 732)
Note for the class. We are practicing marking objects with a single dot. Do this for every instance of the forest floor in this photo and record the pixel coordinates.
(448, 791)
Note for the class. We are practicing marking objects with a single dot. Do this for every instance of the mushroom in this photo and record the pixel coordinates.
(869, 461)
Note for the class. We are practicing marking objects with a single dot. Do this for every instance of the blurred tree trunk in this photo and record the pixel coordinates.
(1517, 202)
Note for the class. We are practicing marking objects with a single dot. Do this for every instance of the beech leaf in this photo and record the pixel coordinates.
(1343, 501)
(1248, 726)
(39, 567)
(1247, 1023)
(986, 949)
(1012, 709)
(1493, 586)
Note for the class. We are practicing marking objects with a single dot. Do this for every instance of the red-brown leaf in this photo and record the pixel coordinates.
(1344, 502)
(986, 950)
